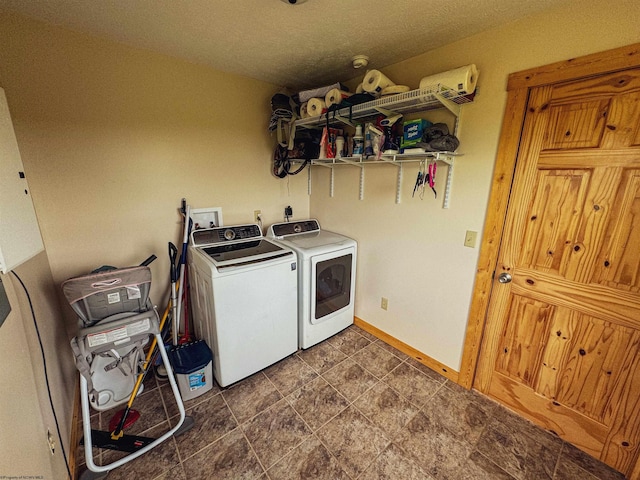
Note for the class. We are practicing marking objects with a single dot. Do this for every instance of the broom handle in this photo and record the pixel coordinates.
(183, 260)
(119, 431)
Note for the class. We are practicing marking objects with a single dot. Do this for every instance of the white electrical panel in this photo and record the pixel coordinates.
(20, 237)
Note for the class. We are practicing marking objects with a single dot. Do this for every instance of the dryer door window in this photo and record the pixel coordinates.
(332, 285)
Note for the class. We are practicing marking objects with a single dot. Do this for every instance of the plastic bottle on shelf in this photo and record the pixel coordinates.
(358, 141)
(368, 147)
(322, 154)
(331, 144)
(339, 146)
(323, 144)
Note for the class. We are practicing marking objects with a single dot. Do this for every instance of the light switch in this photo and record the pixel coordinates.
(470, 239)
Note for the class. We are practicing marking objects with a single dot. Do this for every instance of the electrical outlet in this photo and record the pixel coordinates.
(256, 215)
(384, 303)
(470, 239)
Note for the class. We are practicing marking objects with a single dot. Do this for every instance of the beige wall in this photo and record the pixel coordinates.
(113, 137)
(25, 413)
(413, 253)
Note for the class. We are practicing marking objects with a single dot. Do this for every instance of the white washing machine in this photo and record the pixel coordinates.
(244, 291)
(326, 278)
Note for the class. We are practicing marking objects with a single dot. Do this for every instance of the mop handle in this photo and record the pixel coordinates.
(183, 259)
(119, 431)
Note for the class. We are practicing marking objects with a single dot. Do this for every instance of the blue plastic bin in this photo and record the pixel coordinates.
(192, 368)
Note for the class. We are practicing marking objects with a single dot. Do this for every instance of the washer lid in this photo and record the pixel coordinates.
(250, 250)
(236, 245)
(316, 239)
(306, 237)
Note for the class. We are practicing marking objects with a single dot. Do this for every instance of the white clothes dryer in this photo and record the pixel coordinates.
(244, 291)
(326, 278)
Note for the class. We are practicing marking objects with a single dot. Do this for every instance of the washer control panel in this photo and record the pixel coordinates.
(292, 228)
(207, 236)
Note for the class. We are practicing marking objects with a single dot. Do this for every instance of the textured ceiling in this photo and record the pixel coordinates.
(299, 46)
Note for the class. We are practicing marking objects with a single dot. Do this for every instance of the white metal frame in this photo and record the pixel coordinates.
(86, 417)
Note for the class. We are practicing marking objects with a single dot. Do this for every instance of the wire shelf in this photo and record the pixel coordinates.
(397, 159)
(412, 157)
(429, 98)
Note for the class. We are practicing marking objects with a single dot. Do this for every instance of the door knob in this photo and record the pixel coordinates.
(504, 278)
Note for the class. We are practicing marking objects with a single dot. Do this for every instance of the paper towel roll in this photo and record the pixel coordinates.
(394, 90)
(307, 95)
(315, 107)
(375, 81)
(303, 110)
(335, 96)
(463, 80)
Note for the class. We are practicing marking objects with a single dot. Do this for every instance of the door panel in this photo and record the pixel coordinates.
(555, 417)
(576, 125)
(594, 214)
(553, 218)
(562, 341)
(618, 264)
(620, 131)
(525, 330)
(621, 446)
(589, 363)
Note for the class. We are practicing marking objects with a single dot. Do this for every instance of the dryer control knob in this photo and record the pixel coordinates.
(297, 228)
(229, 234)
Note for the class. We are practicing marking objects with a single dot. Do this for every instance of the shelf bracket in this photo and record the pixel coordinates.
(330, 167)
(345, 120)
(393, 161)
(449, 182)
(309, 181)
(331, 182)
(357, 163)
(448, 104)
(399, 184)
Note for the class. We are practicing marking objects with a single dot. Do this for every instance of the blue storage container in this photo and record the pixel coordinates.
(192, 368)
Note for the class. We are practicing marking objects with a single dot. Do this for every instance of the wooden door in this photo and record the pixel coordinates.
(562, 339)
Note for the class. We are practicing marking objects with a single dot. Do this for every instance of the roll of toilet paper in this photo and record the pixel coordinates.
(375, 81)
(315, 106)
(359, 88)
(335, 96)
(463, 80)
(303, 110)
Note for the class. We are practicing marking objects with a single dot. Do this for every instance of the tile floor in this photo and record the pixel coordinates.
(349, 408)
